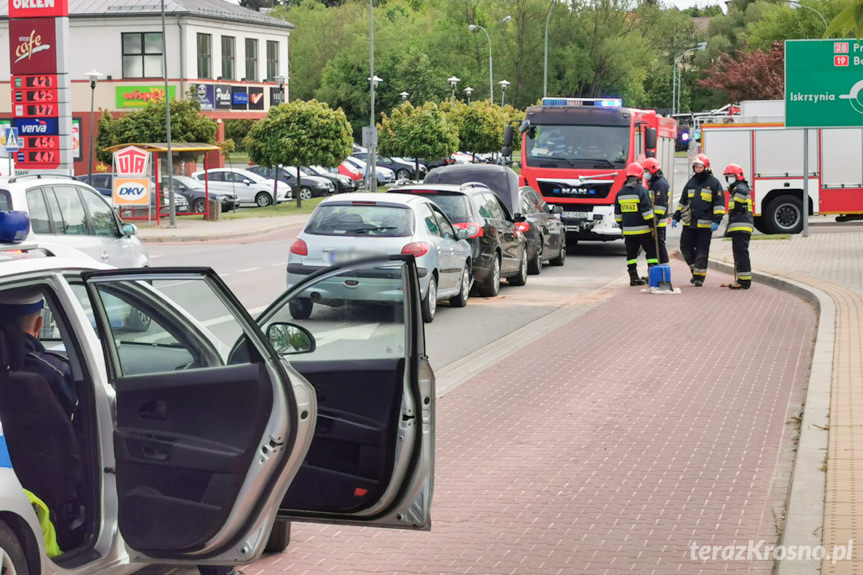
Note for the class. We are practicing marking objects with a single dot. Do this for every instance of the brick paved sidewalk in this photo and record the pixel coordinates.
(608, 446)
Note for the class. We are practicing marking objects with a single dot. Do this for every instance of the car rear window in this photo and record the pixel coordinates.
(5, 201)
(454, 204)
(368, 220)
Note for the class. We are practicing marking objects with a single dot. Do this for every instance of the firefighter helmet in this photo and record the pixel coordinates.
(634, 169)
(733, 170)
(703, 160)
(651, 165)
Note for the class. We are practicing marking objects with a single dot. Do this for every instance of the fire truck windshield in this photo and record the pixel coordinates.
(576, 146)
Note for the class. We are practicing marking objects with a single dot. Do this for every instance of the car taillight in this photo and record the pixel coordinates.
(473, 230)
(416, 249)
(300, 248)
(522, 226)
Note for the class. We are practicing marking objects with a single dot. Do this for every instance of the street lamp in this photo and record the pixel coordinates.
(93, 76)
(281, 80)
(404, 96)
(795, 4)
(468, 91)
(545, 60)
(373, 137)
(169, 155)
(503, 86)
(676, 81)
(473, 28)
(453, 81)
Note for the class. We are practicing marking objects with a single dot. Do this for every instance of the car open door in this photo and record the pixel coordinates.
(371, 459)
(210, 424)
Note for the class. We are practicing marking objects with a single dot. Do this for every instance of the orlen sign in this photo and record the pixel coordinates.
(38, 8)
(132, 177)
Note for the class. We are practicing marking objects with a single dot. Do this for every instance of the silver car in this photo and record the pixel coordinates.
(367, 225)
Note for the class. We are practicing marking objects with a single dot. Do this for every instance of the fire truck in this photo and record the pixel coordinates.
(772, 159)
(574, 151)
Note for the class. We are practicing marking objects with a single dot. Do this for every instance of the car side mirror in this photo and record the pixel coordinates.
(290, 339)
(462, 234)
(247, 182)
(129, 229)
(650, 139)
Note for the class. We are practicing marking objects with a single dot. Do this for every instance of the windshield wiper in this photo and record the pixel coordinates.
(366, 229)
(560, 158)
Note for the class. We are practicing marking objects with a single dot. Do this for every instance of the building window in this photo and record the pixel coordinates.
(272, 59)
(142, 55)
(251, 60)
(228, 57)
(205, 55)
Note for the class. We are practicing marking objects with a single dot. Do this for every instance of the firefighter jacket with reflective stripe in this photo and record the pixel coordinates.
(659, 195)
(739, 208)
(705, 198)
(633, 211)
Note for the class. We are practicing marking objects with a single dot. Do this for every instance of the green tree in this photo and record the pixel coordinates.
(480, 126)
(148, 125)
(421, 132)
(300, 133)
(237, 130)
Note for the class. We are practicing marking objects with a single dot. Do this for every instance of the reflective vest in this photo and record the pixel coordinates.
(633, 211)
(659, 195)
(739, 208)
(705, 199)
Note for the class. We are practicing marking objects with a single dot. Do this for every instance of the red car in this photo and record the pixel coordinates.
(348, 170)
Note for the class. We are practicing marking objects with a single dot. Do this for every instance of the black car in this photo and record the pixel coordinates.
(537, 220)
(498, 248)
(403, 170)
(309, 186)
(342, 183)
(195, 192)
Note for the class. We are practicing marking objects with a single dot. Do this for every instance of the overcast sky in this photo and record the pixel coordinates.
(691, 3)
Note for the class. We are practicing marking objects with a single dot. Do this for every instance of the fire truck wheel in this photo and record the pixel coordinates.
(785, 215)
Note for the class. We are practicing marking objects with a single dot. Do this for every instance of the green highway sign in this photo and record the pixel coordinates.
(823, 83)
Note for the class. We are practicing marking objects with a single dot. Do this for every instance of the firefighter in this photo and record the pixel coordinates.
(657, 185)
(740, 222)
(704, 201)
(634, 215)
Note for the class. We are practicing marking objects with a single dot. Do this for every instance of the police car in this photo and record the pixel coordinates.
(201, 428)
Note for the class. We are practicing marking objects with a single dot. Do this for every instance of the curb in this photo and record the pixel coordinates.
(804, 517)
(203, 237)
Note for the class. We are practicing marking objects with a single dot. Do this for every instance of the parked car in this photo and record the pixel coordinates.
(195, 192)
(342, 183)
(430, 164)
(498, 248)
(350, 170)
(65, 211)
(250, 188)
(308, 187)
(104, 183)
(403, 170)
(342, 229)
(537, 220)
(384, 175)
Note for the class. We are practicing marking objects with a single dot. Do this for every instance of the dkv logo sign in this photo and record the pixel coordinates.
(131, 191)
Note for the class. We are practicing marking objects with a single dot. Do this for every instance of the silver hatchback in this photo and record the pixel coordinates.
(367, 225)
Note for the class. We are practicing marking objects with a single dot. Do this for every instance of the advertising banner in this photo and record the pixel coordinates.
(33, 46)
(223, 97)
(277, 96)
(38, 8)
(76, 139)
(256, 98)
(206, 94)
(132, 177)
(138, 96)
(131, 191)
(37, 126)
(239, 98)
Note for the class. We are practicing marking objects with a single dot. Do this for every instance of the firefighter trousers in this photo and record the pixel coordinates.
(663, 252)
(695, 247)
(642, 241)
(742, 267)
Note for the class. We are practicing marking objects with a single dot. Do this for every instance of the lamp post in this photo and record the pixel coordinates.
(93, 76)
(795, 4)
(503, 86)
(468, 91)
(172, 208)
(545, 59)
(473, 28)
(404, 96)
(453, 81)
(676, 81)
(281, 80)
(373, 139)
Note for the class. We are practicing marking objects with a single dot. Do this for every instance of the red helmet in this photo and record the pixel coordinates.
(651, 165)
(703, 160)
(634, 169)
(733, 170)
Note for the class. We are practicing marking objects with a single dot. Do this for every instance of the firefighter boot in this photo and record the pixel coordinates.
(634, 280)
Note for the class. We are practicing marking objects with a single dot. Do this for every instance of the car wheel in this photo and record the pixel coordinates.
(305, 193)
(784, 215)
(199, 206)
(300, 308)
(492, 284)
(13, 560)
(280, 537)
(561, 254)
(521, 277)
(534, 266)
(263, 199)
(430, 301)
(403, 174)
(460, 300)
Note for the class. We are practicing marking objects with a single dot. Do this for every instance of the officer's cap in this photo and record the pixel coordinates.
(20, 302)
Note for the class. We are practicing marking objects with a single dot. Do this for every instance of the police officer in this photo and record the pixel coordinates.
(23, 308)
(704, 199)
(657, 185)
(740, 223)
(634, 215)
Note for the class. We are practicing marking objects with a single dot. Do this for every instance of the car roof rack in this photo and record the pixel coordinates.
(470, 185)
(14, 179)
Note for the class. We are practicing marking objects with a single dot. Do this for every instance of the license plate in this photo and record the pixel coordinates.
(578, 215)
(346, 256)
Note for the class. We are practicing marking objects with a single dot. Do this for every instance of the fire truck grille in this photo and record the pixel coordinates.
(552, 190)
